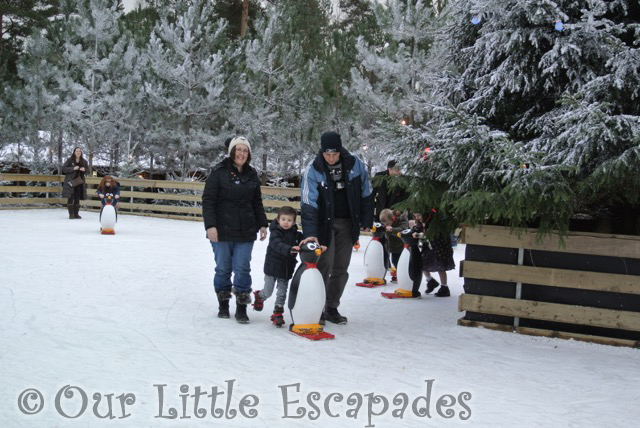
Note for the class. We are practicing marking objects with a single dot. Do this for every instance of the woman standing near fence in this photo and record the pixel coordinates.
(233, 214)
(74, 187)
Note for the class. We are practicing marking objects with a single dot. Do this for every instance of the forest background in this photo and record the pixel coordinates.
(516, 112)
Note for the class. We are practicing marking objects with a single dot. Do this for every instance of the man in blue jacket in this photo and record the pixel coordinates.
(336, 203)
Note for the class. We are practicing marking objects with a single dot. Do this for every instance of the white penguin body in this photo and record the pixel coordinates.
(310, 298)
(404, 279)
(107, 219)
(374, 260)
(307, 294)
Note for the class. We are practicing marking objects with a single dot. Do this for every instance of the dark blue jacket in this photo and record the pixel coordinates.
(232, 202)
(279, 262)
(115, 190)
(317, 201)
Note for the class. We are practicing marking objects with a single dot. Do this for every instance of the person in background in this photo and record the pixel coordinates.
(74, 187)
(233, 214)
(336, 203)
(384, 197)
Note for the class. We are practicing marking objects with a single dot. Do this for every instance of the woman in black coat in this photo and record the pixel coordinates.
(73, 168)
(233, 214)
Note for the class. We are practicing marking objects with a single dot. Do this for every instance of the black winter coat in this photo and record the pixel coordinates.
(70, 174)
(279, 262)
(232, 202)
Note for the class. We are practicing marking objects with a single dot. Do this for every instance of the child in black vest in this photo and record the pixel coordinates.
(280, 262)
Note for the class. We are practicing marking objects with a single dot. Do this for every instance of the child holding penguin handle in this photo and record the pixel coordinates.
(280, 262)
(109, 188)
(394, 222)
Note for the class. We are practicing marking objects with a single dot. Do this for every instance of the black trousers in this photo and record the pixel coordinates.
(334, 263)
(76, 196)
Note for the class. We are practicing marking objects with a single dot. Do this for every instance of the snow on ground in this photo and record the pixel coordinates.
(121, 314)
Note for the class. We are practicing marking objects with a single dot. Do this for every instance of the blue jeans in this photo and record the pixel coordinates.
(232, 257)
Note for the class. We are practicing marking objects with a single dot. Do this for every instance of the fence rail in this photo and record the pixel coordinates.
(586, 287)
(152, 198)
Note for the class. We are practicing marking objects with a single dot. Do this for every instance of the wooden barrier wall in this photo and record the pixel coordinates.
(138, 197)
(585, 287)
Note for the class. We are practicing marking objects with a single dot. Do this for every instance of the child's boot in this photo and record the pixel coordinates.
(443, 291)
(432, 284)
(278, 318)
(258, 302)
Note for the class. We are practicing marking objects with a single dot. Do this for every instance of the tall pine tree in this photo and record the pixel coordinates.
(535, 115)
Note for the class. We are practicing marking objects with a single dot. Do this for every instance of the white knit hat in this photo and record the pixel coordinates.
(239, 140)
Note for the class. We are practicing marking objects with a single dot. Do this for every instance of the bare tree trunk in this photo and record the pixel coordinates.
(265, 158)
(245, 17)
(111, 157)
(60, 137)
(1, 32)
(185, 156)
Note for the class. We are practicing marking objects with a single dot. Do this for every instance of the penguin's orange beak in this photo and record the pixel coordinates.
(399, 236)
(318, 251)
(373, 229)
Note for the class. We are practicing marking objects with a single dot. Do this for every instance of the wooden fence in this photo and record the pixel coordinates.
(137, 197)
(586, 288)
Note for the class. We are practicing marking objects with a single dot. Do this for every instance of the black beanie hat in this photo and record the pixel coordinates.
(330, 142)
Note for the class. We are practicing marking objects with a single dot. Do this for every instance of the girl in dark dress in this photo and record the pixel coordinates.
(437, 256)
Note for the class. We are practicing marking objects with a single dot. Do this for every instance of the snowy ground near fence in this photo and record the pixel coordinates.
(120, 314)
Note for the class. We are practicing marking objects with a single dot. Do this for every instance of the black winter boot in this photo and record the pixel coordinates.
(71, 212)
(241, 313)
(242, 298)
(223, 302)
(332, 315)
(76, 210)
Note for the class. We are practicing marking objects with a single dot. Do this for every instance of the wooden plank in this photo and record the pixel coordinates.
(278, 204)
(576, 243)
(30, 189)
(282, 191)
(45, 207)
(30, 177)
(158, 184)
(564, 278)
(489, 325)
(161, 196)
(597, 317)
(136, 182)
(143, 214)
(552, 333)
(167, 216)
(21, 201)
(148, 207)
